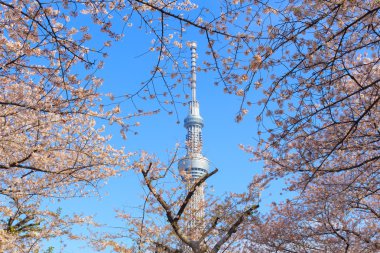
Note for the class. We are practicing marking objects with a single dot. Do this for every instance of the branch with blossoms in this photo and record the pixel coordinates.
(162, 223)
(171, 217)
(217, 232)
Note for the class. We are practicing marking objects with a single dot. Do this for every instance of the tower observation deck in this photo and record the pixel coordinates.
(194, 165)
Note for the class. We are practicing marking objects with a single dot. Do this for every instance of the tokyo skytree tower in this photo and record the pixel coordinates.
(194, 165)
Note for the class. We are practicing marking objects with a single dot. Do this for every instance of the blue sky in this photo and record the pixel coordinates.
(123, 71)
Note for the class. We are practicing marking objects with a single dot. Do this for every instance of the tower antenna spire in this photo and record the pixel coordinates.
(193, 82)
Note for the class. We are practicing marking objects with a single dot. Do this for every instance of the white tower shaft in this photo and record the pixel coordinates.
(194, 164)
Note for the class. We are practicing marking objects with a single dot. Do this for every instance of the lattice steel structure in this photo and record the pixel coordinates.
(194, 165)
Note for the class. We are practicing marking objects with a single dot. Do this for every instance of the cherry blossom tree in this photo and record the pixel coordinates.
(50, 146)
(163, 225)
(324, 107)
(317, 221)
(326, 103)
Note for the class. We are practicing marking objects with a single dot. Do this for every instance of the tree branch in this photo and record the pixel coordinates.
(233, 228)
